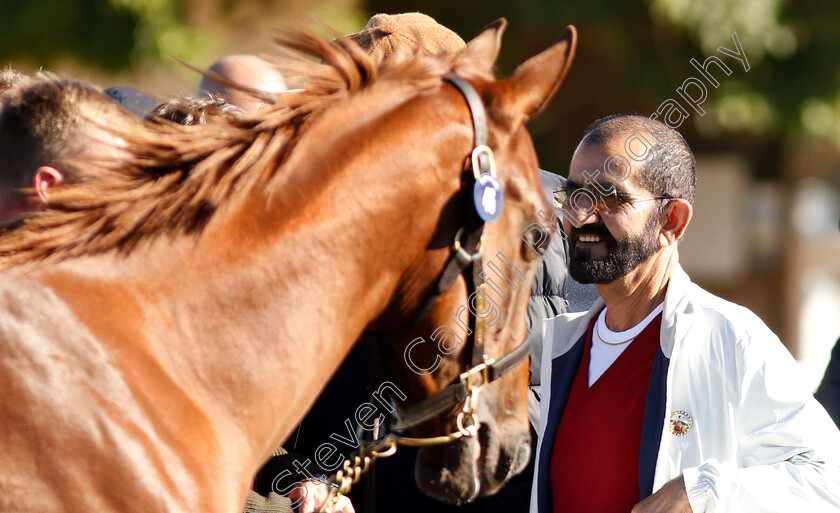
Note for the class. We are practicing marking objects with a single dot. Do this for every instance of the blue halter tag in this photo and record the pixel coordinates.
(488, 197)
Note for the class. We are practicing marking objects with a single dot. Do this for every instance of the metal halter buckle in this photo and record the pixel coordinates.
(477, 152)
(471, 401)
(482, 370)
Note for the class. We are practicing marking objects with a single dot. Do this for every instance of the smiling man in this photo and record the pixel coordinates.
(662, 387)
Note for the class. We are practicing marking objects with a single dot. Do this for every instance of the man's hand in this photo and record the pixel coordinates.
(313, 494)
(671, 498)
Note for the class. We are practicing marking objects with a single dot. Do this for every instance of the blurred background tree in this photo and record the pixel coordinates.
(633, 53)
(134, 40)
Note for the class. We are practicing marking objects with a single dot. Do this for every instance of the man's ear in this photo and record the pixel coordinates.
(47, 177)
(676, 217)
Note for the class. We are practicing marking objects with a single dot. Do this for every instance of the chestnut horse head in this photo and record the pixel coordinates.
(448, 339)
(210, 281)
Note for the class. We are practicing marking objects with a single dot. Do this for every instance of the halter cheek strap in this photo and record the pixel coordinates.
(465, 259)
(479, 120)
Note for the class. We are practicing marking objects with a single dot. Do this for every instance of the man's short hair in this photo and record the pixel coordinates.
(190, 110)
(672, 172)
(48, 122)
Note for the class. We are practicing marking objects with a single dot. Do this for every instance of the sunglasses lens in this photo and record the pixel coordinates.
(611, 201)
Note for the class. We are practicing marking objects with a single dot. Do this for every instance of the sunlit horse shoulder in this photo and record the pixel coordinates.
(168, 320)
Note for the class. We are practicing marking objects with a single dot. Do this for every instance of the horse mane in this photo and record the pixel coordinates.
(173, 178)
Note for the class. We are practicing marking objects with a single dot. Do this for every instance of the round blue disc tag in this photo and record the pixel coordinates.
(488, 197)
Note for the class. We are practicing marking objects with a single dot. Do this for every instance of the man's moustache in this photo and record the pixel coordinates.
(597, 230)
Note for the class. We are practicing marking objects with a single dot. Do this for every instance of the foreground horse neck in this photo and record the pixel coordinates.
(240, 328)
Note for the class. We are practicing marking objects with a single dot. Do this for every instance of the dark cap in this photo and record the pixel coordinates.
(137, 102)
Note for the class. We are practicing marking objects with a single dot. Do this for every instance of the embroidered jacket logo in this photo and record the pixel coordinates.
(680, 423)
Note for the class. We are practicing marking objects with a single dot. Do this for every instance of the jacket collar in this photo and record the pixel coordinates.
(675, 318)
(568, 328)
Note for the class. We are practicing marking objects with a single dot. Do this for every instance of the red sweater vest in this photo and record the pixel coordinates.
(595, 458)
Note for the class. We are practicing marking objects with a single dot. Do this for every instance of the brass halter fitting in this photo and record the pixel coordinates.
(474, 379)
(458, 248)
(482, 371)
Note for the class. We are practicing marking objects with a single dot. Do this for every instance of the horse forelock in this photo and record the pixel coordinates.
(173, 179)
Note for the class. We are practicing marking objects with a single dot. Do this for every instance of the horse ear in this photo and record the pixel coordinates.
(484, 48)
(535, 81)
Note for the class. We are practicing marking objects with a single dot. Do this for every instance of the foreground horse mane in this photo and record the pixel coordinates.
(175, 178)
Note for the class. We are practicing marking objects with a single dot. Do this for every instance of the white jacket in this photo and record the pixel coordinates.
(758, 440)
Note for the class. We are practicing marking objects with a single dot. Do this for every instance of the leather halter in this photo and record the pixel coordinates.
(465, 259)
(465, 256)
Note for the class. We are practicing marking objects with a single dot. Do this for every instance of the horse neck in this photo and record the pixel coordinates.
(250, 319)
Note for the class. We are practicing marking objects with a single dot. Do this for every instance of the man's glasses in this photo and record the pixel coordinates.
(585, 202)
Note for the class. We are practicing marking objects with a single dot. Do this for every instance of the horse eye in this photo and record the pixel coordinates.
(535, 244)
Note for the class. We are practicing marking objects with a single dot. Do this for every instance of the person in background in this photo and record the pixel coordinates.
(135, 101)
(398, 35)
(190, 110)
(828, 394)
(8, 78)
(248, 71)
(46, 125)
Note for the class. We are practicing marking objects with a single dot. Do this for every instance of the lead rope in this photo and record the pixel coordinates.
(359, 462)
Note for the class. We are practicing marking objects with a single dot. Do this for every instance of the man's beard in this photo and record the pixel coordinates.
(622, 255)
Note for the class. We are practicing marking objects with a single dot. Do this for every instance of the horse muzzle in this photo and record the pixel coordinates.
(475, 467)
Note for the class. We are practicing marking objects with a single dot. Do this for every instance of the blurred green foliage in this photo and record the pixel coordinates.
(632, 56)
(162, 31)
(109, 34)
(95, 32)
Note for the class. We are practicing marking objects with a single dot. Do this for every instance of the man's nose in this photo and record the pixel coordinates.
(580, 217)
